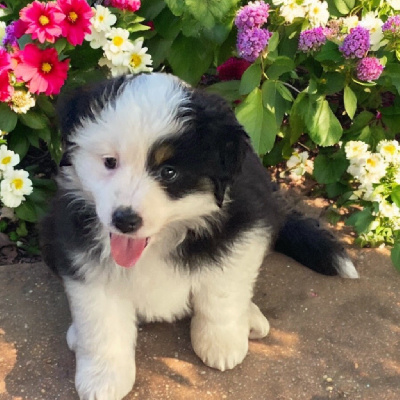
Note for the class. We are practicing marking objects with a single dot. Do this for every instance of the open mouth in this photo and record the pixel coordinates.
(126, 250)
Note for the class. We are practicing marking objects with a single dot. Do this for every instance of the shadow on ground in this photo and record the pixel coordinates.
(330, 339)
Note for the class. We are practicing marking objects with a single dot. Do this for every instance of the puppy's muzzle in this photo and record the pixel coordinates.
(126, 220)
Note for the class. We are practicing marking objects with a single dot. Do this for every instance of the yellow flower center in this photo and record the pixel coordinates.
(43, 20)
(136, 60)
(316, 10)
(371, 162)
(6, 160)
(18, 183)
(101, 18)
(46, 67)
(117, 41)
(390, 148)
(72, 16)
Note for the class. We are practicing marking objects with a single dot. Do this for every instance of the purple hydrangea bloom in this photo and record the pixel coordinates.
(356, 43)
(312, 39)
(10, 37)
(392, 25)
(252, 42)
(253, 15)
(369, 69)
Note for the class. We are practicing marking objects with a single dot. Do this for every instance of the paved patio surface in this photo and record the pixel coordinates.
(330, 339)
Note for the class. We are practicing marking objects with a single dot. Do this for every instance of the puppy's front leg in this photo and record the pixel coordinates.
(102, 335)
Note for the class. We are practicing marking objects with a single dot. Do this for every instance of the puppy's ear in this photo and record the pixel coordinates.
(78, 104)
(232, 146)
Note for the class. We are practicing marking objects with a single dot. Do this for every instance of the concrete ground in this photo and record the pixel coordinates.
(330, 339)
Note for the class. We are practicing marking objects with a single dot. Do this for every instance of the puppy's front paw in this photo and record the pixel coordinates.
(219, 346)
(100, 379)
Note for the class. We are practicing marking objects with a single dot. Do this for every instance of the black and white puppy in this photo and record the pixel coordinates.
(164, 210)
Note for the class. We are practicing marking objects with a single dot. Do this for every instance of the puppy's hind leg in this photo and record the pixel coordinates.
(103, 336)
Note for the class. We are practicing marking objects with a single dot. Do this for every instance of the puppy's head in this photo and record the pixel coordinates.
(149, 151)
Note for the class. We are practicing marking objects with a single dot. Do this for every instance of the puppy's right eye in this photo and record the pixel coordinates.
(110, 162)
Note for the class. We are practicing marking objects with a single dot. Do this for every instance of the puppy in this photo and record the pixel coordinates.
(163, 210)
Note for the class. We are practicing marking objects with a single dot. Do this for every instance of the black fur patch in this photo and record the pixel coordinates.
(71, 227)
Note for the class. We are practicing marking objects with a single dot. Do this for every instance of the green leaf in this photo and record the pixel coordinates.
(350, 102)
(229, 90)
(393, 71)
(60, 45)
(361, 220)
(395, 256)
(323, 126)
(250, 79)
(284, 91)
(26, 211)
(46, 105)
(24, 40)
(280, 66)
(176, 6)
(190, 58)
(329, 169)
(395, 195)
(33, 120)
(167, 25)
(344, 6)
(273, 41)
(273, 102)
(329, 52)
(297, 117)
(259, 122)
(8, 118)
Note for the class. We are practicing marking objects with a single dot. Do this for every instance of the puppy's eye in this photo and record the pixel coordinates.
(168, 174)
(110, 162)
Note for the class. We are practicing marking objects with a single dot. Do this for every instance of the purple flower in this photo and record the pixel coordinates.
(356, 43)
(252, 42)
(253, 15)
(10, 37)
(392, 25)
(369, 69)
(312, 39)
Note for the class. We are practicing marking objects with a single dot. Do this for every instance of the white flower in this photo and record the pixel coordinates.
(318, 13)
(369, 193)
(96, 39)
(374, 25)
(375, 168)
(103, 19)
(355, 149)
(389, 210)
(14, 187)
(2, 30)
(115, 70)
(297, 163)
(118, 42)
(350, 22)
(395, 4)
(292, 10)
(21, 101)
(389, 149)
(137, 59)
(8, 158)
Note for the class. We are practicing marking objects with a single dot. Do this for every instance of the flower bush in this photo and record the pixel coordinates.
(305, 77)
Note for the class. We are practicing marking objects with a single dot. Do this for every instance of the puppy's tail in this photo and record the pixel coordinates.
(305, 241)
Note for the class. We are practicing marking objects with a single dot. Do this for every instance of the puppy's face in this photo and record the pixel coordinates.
(150, 152)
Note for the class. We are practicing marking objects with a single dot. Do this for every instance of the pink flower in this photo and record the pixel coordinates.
(369, 69)
(43, 21)
(129, 5)
(41, 69)
(6, 90)
(77, 20)
(5, 60)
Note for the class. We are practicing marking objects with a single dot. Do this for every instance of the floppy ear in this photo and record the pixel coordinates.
(232, 147)
(217, 124)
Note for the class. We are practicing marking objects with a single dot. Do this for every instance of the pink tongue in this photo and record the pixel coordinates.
(126, 251)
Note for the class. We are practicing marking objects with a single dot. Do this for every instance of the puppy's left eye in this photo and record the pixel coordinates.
(110, 162)
(168, 174)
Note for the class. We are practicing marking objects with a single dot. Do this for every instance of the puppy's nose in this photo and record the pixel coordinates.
(126, 220)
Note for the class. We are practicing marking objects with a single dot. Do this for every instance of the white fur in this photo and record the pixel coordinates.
(346, 268)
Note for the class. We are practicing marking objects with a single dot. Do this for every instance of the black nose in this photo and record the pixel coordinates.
(126, 220)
